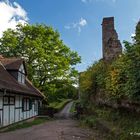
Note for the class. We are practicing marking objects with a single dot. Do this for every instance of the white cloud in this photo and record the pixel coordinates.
(133, 35)
(82, 22)
(10, 15)
(77, 25)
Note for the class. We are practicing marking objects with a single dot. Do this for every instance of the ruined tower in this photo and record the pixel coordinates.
(112, 47)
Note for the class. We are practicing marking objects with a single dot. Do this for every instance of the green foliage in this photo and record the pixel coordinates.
(117, 80)
(49, 61)
(119, 124)
(59, 104)
(90, 121)
(92, 81)
(73, 108)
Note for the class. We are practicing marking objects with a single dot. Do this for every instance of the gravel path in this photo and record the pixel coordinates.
(65, 112)
(53, 130)
(62, 129)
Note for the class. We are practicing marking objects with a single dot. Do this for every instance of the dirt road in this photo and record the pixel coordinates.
(62, 129)
(53, 130)
(65, 112)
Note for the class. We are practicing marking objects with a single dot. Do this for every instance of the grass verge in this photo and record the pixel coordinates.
(59, 104)
(25, 124)
(73, 110)
(115, 124)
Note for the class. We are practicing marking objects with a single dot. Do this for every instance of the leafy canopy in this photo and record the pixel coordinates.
(49, 60)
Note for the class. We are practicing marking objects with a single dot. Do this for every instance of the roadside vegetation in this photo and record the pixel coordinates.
(113, 124)
(116, 87)
(59, 105)
(73, 108)
(25, 124)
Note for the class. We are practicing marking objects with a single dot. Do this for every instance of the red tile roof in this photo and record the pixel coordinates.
(8, 82)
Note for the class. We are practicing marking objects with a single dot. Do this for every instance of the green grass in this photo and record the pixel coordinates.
(125, 125)
(59, 104)
(25, 124)
(90, 121)
(72, 110)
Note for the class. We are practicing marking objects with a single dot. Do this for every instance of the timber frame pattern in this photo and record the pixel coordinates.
(19, 100)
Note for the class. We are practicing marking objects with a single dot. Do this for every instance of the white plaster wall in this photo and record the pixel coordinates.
(5, 115)
(21, 115)
(28, 114)
(20, 110)
(24, 115)
(12, 114)
(36, 107)
(17, 110)
(33, 110)
(1, 106)
(17, 104)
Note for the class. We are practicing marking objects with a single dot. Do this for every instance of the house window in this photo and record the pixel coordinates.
(9, 100)
(36, 105)
(26, 104)
(21, 75)
(6, 100)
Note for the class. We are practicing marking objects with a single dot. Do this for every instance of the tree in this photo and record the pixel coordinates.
(48, 58)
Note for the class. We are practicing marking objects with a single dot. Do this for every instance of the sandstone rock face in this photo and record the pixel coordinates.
(112, 47)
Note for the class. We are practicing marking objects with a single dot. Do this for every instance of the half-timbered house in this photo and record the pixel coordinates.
(19, 99)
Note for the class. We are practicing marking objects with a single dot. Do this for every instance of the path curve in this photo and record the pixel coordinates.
(65, 112)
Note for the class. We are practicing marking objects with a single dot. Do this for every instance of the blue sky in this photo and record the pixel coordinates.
(79, 21)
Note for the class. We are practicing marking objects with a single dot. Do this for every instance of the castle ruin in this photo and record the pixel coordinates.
(112, 47)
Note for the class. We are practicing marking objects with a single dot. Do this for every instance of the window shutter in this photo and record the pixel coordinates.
(30, 104)
(23, 104)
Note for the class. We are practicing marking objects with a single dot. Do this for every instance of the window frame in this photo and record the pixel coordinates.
(36, 105)
(4, 100)
(21, 74)
(21, 77)
(9, 100)
(26, 104)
